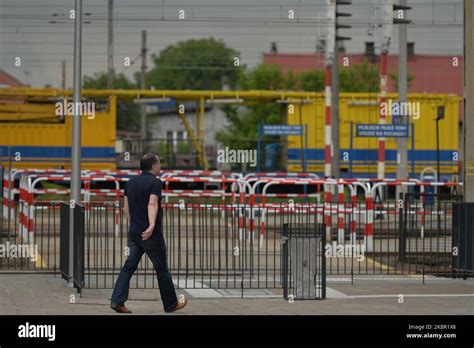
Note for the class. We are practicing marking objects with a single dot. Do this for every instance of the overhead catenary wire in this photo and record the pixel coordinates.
(266, 17)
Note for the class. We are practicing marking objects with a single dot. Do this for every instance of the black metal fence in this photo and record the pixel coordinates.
(46, 225)
(239, 246)
(426, 234)
(206, 248)
(463, 240)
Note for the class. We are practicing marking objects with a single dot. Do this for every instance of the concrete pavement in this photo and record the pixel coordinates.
(44, 294)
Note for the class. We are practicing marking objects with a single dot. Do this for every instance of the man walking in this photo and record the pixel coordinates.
(142, 206)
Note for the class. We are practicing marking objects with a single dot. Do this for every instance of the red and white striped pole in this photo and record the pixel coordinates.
(263, 213)
(353, 215)
(382, 119)
(327, 211)
(327, 128)
(422, 208)
(340, 214)
(30, 217)
(251, 217)
(117, 214)
(241, 208)
(5, 200)
(369, 224)
(21, 209)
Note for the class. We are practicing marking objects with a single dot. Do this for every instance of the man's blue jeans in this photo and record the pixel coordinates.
(155, 248)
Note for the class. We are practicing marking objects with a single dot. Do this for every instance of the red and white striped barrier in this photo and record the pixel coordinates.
(242, 188)
(340, 214)
(369, 225)
(26, 200)
(280, 175)
(270, 182)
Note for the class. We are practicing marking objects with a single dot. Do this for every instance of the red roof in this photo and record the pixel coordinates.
(432, 74)
(6, 80)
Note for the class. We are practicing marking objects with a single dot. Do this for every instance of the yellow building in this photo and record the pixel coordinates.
(36, 137)
(358, 155)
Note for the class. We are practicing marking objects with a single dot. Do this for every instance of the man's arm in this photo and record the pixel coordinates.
(152, 214)
(126, 210)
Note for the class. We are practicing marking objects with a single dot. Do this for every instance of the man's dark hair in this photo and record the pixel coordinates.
(147, 161)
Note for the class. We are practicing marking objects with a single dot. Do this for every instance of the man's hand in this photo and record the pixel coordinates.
(148, 232)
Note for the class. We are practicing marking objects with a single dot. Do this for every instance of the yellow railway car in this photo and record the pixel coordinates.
(36, 137)
(358, 155)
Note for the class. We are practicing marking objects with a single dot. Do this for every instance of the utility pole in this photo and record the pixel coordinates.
(63, 75)
(402, 143)
(329, 62)
(336, 158)
(332, 135)
(76, 134)
(335, 165)
(143, 86)
(468, 156)
(110, 46)
(387, 37)
(389, 20)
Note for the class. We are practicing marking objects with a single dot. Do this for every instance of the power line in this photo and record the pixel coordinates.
(220, 19)
(217, 5)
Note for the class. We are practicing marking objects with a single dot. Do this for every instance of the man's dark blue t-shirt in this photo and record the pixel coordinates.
(138, 191)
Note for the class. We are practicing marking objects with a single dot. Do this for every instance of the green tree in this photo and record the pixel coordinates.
(362, 77)
(194, 64)
(291, 81)
(128, 113)
(264, 77)
(394, 77)
(242, 131)
(311, 81)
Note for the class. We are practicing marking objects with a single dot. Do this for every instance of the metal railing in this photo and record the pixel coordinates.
(426, 234)
(239, 245)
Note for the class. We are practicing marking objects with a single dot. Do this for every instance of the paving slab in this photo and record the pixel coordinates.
(45, 294)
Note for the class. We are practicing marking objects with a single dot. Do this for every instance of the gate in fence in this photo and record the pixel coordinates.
(304, 263)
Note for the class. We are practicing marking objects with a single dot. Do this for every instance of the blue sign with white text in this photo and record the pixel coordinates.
(382, 131)
(270, 129)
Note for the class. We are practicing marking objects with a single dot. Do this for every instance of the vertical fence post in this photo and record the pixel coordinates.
(323, 262)
(64, 240)
(79, 229)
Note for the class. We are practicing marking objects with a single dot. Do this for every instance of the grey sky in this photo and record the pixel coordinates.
(246, 25)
